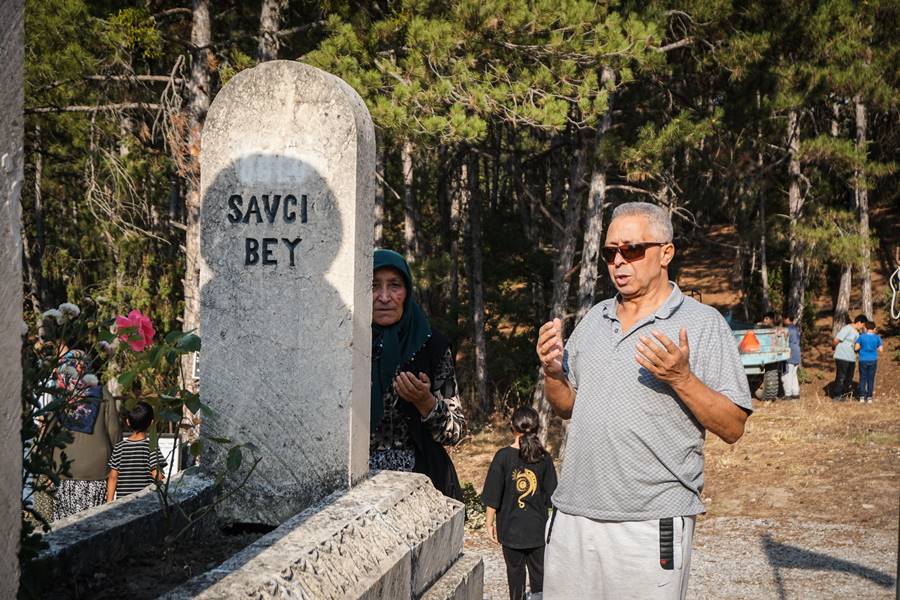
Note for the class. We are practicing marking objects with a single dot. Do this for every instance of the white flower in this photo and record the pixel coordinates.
(69, 310)
(90, 380)
(105, 347)
(52, 314)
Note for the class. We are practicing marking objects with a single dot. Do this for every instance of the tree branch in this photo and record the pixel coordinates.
(675, 45)
(173, 11)
(298, 29)
(159, 78)
(92, 109)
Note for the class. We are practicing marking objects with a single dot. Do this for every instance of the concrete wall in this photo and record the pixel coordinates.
(11, 164)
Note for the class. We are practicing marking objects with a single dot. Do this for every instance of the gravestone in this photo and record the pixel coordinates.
(12, 43)
(287, 184)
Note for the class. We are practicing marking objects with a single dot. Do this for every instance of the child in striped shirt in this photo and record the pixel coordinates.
(133, 465)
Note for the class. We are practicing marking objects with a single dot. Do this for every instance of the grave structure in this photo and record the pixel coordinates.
(287, 170)
(12, 45)
(287, 181)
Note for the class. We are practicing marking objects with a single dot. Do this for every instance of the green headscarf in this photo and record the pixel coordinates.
(393, 345)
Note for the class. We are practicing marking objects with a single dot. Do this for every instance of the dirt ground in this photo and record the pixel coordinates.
(805, 505)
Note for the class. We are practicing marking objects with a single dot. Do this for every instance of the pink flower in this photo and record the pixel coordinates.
(136, 329)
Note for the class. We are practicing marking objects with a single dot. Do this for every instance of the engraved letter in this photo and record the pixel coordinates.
(251, 251)
(289, 217)
(234, 203)
(267, 251)
(253, 208)
(271, 210)
(291, 245)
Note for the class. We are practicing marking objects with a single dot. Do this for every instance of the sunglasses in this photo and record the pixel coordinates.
(629, 252)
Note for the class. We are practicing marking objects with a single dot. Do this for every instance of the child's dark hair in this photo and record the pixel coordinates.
(871, 326)
(140, 417)
(525, 420)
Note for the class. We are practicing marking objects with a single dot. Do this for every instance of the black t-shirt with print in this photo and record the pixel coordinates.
(520, 492)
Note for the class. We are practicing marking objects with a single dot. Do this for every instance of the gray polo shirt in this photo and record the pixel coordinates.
(634, 451)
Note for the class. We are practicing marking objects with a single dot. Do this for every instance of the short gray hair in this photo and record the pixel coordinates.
(656, 216)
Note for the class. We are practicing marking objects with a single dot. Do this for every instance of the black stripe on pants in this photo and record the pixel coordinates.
(516, 562)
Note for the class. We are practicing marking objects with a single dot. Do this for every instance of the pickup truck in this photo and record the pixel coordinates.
(763, 352)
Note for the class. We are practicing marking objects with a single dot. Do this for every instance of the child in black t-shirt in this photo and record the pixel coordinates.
(517, 491)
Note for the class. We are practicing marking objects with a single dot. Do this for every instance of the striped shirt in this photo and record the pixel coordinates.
(134, 461)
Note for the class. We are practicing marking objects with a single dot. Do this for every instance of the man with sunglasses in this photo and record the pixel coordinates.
(643, 377)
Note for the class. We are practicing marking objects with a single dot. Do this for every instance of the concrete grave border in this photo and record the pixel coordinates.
(105, 533)
(392, 536)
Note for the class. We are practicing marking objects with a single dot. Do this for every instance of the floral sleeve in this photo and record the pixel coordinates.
(446, 421)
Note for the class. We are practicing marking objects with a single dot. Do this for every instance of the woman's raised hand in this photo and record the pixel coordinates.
(416, 391)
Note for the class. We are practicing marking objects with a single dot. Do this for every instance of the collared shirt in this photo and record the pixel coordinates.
(845, 348)
(634, 450)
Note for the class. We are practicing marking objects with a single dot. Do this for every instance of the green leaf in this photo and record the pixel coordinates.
(126, 378)
(192, 404)
(173, 336)
(196, 448)
(219, 440)
(106, 336)
(234, 459)
(189, 343)
(154, 355)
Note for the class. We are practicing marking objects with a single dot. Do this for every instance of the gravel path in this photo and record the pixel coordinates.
(781, 559)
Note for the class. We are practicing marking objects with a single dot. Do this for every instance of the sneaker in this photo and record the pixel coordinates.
(868, 400)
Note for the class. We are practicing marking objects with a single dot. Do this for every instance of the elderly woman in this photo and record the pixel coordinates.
(415, 403)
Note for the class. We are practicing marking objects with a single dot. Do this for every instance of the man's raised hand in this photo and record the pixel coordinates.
(550, 348)
(667, 362)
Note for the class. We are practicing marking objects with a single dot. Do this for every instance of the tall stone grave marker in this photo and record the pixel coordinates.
(287, 179)
(12, 44)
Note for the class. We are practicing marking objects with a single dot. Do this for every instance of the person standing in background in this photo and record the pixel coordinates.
(868, 345)
(93, 420)
(845, 357)
(789, 380)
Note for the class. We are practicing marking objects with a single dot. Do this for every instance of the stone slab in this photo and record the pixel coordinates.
(354, 544)
(12, 44)
(105, 533)
(463, 581)
(287, 179)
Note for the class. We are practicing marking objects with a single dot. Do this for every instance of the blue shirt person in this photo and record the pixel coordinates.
(868, 345)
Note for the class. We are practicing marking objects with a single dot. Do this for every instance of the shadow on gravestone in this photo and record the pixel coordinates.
(277, 359)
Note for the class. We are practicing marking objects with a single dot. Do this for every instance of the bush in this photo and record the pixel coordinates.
(474, 507)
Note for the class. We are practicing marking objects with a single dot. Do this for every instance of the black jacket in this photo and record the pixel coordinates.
(431, 457)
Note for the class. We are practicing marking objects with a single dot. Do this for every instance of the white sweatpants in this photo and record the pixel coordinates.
(789, 380)
(614, 560)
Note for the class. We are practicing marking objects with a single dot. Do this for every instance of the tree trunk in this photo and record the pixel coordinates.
(842, 302)
(842, 305)
(476, 286)
(561, 272)
(862, 204)
(380, 153)
(455, 201)
(797, 289)
(43, 291)
(593, 231)
(270, 20)
(199, 96)
(410, 215)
